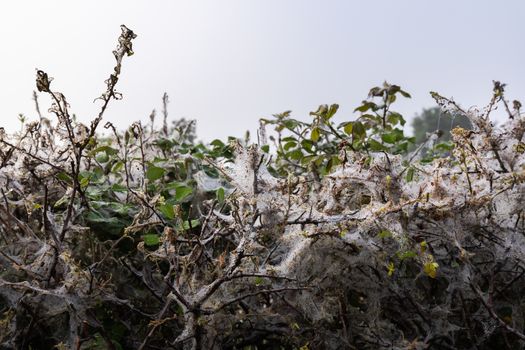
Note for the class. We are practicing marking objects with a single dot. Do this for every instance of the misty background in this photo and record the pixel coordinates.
(228, 63)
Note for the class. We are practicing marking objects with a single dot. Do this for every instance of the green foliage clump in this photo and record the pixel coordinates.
(321, 145)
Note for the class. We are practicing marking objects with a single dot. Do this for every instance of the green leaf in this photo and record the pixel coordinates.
(265, 148)
(106, 149)
(164, 144)
(63, 200)
(366, 106)
(98, 173)
(405, 94)
(182, 192)
(217, 143)
(410, 174)
(290, 123)
(282, 115)
(119, 188)
(154, 173)
(402, 148)
(321, 110)
(375, 119)
(388, 138)
(290, 144)
(307, 145)
(358, 131)
(102, 158)
(220, 195)
(394, 118)
(186, 224)
(84, 182)
(376, 146)
(332, 162)
(314, 135)
(104, 223)
(391, 99)
(120, 207)
(159, 160)
(295, 155)
(64, 177)
(151, 239)
(331, 111)
(348, 128)
(167, 211)
(93, 216)
(117, 167)
(306, 160)
(385, 234)
(393, 136)
(444, 146)
(407, 255)
(376, 91)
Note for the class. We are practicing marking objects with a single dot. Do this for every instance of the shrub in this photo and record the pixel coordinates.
(333, 236)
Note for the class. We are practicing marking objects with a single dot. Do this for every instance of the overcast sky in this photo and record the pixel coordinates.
(226, 63)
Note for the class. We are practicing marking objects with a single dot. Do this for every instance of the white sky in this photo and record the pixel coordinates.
(227, 63)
